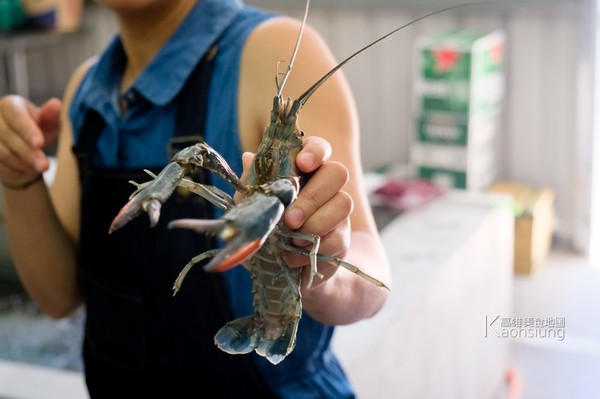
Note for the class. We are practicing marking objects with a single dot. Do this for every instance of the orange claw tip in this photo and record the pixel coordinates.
(237, 257)
(116, 224)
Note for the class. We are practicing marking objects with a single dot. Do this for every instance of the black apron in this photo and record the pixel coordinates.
(140, 341)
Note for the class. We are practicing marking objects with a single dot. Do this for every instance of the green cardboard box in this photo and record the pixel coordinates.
(458, 94)
(454, 152)
(459, 73)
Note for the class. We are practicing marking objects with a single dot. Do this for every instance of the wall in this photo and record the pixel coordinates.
(546, 127)
(546, 134)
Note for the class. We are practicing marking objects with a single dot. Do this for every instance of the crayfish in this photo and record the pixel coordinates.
(253, 228)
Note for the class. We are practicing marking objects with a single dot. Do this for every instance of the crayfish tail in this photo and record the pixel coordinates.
(243, 335)
(275, 350)
(237, 336)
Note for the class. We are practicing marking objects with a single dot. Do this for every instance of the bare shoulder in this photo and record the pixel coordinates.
(280, 34)
(77, 77)
(271, 45)
(70, 90)
(267, 53)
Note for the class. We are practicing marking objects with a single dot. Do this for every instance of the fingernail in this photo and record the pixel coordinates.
(34, 140)
(307, 159)
(294, 217)
(299, 242)
(287, 258)
(39, 164)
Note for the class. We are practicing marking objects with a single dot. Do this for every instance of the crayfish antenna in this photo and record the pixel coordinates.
(306, 95)
(287, 72)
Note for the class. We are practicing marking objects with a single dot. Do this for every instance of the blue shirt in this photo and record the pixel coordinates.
(138, 139)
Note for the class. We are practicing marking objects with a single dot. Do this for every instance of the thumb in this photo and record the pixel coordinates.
(49, 119)
(247, 158)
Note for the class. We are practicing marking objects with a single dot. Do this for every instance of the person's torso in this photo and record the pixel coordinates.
(147, 260)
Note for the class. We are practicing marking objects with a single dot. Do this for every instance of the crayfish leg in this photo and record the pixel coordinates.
(312, 254)
(188, 266)
(332, 260)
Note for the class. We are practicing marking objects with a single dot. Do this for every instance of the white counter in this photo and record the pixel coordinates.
(452, 263)
(25, 381)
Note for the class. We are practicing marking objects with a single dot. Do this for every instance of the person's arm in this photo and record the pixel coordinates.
(333, 204)
(42, 223)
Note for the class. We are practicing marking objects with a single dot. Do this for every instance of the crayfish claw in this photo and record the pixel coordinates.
(152, 207)
(210, 226)
(134, 208)
(140, 186)
(126, 215)
(150, 196)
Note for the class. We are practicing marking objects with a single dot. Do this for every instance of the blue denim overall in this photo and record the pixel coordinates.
(148, 330)
(140, 341)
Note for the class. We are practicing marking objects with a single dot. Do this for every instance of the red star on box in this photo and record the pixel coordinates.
(445, 59)
(496, 53)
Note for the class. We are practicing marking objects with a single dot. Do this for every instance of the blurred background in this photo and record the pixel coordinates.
(480, 146)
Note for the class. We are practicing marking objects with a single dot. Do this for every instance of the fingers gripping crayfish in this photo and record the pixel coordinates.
(253, 228)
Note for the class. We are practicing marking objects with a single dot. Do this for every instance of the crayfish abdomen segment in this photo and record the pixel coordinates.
(277, 300)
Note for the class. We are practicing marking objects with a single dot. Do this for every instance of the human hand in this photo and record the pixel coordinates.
(25, 130)
(321, 208)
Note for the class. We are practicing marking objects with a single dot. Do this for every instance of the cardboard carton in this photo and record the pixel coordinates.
(455, 153)
(457, 99)
(459, 73)
(534, 222)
